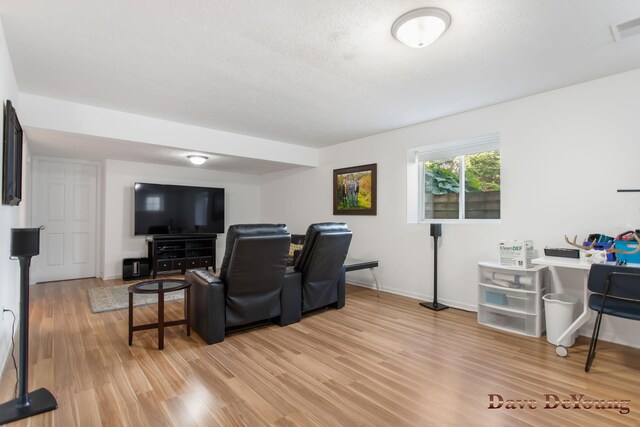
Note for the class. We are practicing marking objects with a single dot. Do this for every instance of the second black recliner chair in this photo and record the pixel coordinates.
(321, 265)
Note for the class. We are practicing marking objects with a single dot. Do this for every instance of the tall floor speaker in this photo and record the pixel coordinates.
(25, 243)
(436, 232)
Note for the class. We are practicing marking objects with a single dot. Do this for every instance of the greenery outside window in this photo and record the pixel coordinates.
(460, 181)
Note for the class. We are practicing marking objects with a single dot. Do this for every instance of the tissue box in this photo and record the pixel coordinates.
(516, 253)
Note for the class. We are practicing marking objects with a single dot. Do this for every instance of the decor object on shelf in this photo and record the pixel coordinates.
(354, 190)
(421, 27)
(596, 256)
(25, 244)
(197, 159)
(436, 231)
(12, 158)
(510, 298)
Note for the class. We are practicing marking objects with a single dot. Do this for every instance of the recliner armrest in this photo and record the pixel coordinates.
(202, 277)
(291, 297)
(207, 305)
(342, 294)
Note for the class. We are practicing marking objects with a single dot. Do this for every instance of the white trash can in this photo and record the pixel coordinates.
(559, 310)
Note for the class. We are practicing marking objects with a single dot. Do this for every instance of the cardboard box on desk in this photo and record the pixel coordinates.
(516, 253)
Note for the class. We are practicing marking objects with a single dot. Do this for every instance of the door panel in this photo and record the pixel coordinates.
(80, 248)
(54, 249)
(55, 202)
(81, 202)
(65, 203)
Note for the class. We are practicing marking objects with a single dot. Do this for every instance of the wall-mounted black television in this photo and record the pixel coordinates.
(178, 209)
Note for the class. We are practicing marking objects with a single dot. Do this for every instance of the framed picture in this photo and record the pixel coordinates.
(355, 190)
(12, 159)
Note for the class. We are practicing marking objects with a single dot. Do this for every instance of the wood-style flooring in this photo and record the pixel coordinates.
(383, 361)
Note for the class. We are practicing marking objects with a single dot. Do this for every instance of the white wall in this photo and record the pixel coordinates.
(242, 204)
(10, 216)
(564, 154)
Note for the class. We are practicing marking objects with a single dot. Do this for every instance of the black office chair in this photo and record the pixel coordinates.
(615, 291)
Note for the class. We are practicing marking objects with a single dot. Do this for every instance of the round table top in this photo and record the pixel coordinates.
(157, 286)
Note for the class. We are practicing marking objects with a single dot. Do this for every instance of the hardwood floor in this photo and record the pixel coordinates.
(379, 361)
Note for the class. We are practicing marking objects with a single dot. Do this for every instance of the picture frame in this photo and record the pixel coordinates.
(355, 190)
(12, 158)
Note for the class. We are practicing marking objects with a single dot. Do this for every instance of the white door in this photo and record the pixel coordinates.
(65, 203)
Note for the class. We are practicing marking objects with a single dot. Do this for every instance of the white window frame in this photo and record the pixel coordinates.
(420, 155)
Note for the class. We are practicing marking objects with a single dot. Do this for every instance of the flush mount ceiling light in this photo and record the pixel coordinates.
(197, 159)
(421, 27)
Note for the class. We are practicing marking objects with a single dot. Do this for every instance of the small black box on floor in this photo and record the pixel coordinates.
(135, 268)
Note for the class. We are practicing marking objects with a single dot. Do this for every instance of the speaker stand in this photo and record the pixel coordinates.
(435, 305)
(26, 404)
(39, 401)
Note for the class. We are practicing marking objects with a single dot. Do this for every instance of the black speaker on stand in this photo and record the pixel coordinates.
(25, 243)
(436, 231)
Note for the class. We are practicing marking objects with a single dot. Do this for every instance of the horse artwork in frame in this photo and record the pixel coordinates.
(354, 190)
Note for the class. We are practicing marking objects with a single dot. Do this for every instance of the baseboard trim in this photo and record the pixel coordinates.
(586, 332)
(418, 296)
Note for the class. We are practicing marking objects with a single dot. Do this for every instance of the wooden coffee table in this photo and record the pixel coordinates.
(160, 287)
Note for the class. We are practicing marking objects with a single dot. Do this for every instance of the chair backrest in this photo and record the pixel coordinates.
(625, 281)
(321, 263)
(255, 273)
(312, 234)
(247, 230)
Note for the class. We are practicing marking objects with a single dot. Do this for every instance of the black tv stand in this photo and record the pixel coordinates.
(172, 252)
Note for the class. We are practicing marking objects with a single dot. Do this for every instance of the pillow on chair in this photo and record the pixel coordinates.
(294, 253)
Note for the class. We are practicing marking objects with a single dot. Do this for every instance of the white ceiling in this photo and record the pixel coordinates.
(314, 73)
(45, 142)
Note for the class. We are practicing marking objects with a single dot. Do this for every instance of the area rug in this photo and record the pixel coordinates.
(117, 298)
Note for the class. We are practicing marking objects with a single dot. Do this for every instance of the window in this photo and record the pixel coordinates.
(459, 181)
(154, 203)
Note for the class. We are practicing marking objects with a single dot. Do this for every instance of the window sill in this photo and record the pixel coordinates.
(461, 221)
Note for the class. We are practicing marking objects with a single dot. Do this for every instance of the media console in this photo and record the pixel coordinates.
(179, 252)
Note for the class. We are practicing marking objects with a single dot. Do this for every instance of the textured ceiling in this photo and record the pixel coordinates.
(314, 73)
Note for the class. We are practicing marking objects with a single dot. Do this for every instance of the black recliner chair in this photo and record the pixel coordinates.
(321, 265)
(251, 287)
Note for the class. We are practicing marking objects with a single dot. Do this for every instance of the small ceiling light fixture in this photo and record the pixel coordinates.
(197, 159)
(421, 27)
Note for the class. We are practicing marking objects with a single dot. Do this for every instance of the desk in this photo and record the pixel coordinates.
(352, 264)
(578, 265)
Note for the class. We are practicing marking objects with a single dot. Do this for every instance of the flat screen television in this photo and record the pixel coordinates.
(178, 209)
